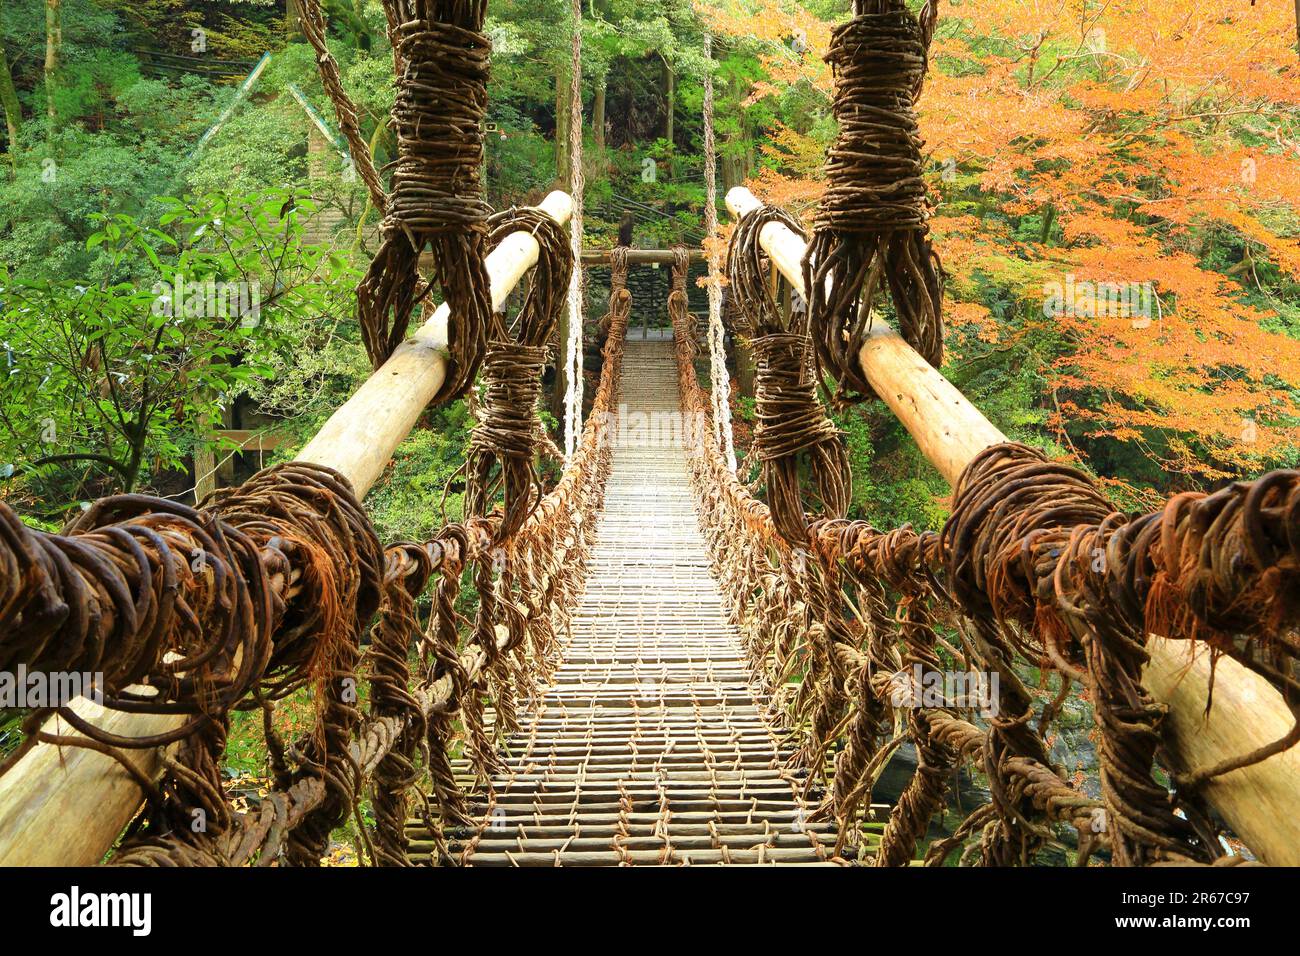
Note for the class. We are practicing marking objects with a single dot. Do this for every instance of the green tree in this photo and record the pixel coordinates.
(127, 371)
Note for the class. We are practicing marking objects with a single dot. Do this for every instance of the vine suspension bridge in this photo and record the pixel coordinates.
(655, 664)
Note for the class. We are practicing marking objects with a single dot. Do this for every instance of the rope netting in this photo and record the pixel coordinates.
(556, 568)
(850, 629)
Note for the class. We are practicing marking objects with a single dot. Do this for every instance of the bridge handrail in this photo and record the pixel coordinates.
(66, 806)
(1259, 801)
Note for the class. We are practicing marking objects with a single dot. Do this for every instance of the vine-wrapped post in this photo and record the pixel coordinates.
(871, 233)
(794, 434)
(437, 196)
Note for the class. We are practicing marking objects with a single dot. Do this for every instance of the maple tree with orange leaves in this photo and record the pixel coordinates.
(1143, 158)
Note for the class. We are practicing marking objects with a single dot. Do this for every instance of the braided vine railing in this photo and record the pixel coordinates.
(269, 589)
(850, 629)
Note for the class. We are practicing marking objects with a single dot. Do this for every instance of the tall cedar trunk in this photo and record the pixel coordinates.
(561, 377)
(745, 370)
(730, 179)
(598, 113)
(597, 162)
(292, 25)
(736, 164)
(53, 53)
(205, 470)
(670, 97)
(562, 97)
(13, 111)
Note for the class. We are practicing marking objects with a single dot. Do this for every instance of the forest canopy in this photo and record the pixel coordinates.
(1114, 191)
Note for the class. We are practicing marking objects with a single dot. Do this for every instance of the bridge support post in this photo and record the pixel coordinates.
(1261, 802)
(745, 368)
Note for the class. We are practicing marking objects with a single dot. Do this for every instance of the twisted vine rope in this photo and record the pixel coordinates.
(560, 533)
(531, 579)
(312, 20)
(871, 231)
(1033, 542)
(437, 195)
(408, 568)
(1034, 569)
(503, 445)
(501, 460)
(678, 298)
(291, 573)
(793, 429)
(620, 299)
(573, 348)
(719, 381)
(268, 590)
(192, 612)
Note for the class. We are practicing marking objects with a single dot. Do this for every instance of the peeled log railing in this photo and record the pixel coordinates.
(1260, 802)
(67, 805)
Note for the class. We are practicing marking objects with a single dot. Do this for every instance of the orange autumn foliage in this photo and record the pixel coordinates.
(1126, 143)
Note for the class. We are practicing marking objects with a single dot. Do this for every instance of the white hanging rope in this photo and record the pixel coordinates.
(573, 349)
(721, 382)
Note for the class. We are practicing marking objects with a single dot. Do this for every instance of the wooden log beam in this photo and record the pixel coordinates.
(360, 438)
(949, 430)
(66, 806)
(1262, 802)
(600, 257)
(637, 257)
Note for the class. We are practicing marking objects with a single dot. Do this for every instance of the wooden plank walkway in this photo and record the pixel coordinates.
(649, 746)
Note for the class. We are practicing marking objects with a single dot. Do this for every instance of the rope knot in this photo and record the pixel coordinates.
(437, 190)
(872, 234)
(877, 59)
(512, 377)
(790, 417)
(499, 459)
(792, 424)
